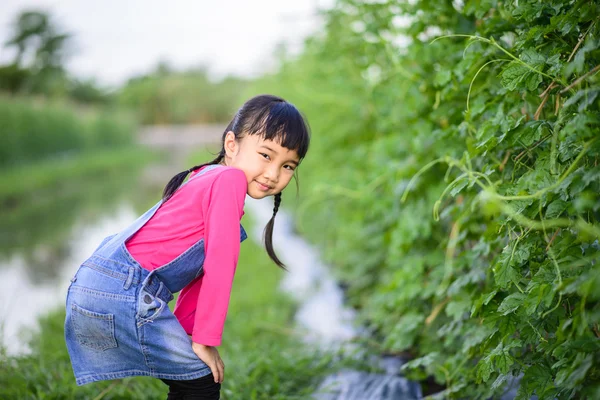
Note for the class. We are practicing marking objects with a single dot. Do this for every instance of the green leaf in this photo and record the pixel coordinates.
(442, 77)
(504, 272)
(474, 337)
(528, 10)
(555, 209)
(555, 64)
(506, 325)
(511, 303)
(490, 296)
(533, 58)
(505, 275)
(580, 372)
(458, 187)
(589, 345)
(536, 378)
(582, 126)
(532, 81)
(457, 308)
(484, 369)
(592, 175)
(513, 75)
(424, 361)
(572, 375)
(503, 362)
(530, 133)
(584, 98)
(536, 179)
(517, 76)
(521, 253)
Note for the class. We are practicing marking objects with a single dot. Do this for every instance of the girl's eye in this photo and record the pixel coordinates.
(265, 156)
(290, 167)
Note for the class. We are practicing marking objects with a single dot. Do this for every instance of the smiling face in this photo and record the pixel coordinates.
(268, 166)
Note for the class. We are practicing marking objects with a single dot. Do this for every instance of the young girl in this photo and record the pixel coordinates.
(118, 322)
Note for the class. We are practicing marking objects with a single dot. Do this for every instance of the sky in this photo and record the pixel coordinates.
(118, 39)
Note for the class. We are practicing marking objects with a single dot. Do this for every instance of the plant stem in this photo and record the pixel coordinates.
(581, 78)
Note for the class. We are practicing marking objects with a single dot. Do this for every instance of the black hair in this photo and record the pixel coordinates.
(272, 118)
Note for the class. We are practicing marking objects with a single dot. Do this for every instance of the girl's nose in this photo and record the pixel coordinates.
(272, 174)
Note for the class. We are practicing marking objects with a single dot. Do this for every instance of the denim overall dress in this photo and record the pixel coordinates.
(118, 322)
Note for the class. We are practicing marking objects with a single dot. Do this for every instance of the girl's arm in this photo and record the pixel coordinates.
(222, 217)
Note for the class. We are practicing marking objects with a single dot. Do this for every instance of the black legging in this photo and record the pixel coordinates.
(203, 388)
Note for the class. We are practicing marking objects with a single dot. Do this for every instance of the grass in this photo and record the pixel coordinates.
(263, 354)
(33, 129)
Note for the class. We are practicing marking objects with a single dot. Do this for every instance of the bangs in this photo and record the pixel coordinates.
(282, 123)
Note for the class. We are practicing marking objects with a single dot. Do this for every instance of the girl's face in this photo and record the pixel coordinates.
(268, 166)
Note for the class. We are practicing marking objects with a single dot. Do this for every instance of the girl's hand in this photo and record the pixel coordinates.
(210, 356)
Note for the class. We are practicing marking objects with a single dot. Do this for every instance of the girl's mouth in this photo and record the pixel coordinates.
(263, 187)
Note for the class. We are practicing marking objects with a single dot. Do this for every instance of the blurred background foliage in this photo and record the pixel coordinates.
(187, 97)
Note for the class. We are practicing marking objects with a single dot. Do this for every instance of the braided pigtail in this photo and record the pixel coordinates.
(268, 233)
(178, 179)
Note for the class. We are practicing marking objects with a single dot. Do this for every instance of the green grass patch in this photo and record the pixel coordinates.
(33, 129)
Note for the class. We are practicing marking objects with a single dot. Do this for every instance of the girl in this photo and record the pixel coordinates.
(118, 323)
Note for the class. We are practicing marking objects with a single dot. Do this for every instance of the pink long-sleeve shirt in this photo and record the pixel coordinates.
(210, 207)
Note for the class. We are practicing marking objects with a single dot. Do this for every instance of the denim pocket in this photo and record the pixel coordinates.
(92, 329)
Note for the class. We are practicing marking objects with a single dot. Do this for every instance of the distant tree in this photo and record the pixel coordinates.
(163, 68)
(41, 48)
(36, 34)
(13, 78)
(88, 92)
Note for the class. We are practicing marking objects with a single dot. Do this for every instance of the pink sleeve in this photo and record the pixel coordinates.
(222, 248)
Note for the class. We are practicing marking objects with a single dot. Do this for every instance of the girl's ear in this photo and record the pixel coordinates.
(230, 144)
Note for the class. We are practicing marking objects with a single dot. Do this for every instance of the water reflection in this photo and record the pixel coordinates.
(47, 217)
(44, 239)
